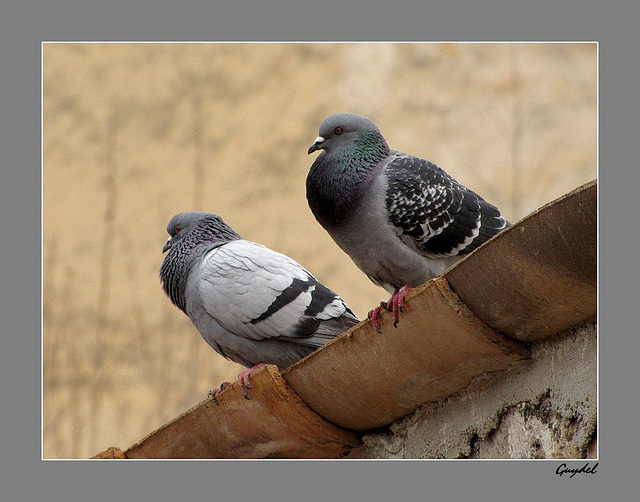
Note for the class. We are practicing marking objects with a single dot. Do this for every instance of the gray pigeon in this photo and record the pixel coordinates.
(401, 219)
(253, 305)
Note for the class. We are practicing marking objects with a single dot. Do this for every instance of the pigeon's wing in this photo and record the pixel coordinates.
(433, 213)
(258, 293)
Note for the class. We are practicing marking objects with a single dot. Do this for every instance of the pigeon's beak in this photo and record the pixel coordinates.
(168, 245)
(317, 145)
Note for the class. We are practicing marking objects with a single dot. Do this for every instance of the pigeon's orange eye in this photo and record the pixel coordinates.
(178, 228)
(337, 130)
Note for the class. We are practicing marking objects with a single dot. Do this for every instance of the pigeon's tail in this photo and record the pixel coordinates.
(336, 326)
(345, 321)
(325, 317)
(323, 331)
(491, 221)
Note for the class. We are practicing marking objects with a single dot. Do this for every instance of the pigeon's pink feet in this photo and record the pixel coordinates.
(217, 390)
(243, 379)
(374, 315)
(395, 305)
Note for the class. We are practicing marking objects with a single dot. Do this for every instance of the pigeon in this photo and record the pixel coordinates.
(401, 219)
(252, 305)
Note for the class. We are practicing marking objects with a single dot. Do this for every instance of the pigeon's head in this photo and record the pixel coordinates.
(179, 226)
(344, 129)
(207, 226)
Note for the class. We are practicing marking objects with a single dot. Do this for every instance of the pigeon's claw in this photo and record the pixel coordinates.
(217, 390)
(243, 379)
(394, 305)
(397, 303)
(374, 315)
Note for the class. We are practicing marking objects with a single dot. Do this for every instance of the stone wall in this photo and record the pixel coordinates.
(545, 407)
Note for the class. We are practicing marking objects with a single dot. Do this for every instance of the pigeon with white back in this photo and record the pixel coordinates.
(252, 305)
(400, 218)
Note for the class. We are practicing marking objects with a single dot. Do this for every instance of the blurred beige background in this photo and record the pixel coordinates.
(134, 133)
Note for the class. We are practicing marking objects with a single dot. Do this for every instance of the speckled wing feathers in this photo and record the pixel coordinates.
(432, 212)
